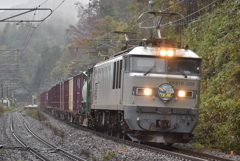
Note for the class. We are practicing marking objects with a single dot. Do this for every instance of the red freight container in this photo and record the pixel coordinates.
(57, 100)
(44, 99)
(61, 95)
(66, 94)
(50, 97)
(77, 93)
(53, 95)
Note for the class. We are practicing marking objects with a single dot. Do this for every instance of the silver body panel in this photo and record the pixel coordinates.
(104, 97)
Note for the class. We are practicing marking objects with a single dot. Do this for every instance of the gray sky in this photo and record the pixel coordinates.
(11, 3)
(67, 9)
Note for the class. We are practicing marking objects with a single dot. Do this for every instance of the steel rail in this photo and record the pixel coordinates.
(34, 152)
(69, 155)
(198, 154)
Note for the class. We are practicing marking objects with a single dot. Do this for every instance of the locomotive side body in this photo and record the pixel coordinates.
(106, 85)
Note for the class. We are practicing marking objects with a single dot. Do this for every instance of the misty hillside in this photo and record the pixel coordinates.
(32, 39)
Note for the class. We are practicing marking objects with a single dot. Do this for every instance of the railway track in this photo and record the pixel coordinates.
(52, 151)
(177, 153)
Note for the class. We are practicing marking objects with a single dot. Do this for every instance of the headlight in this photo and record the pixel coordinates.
(170, 52)
(147, 91)
(163, 52)
(167, 52)
(144, 91)
(181, 93)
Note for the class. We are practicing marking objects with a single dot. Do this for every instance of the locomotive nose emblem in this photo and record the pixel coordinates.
(165, 92)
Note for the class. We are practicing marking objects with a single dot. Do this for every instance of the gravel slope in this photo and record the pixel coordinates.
(81, 143)
(90, 146)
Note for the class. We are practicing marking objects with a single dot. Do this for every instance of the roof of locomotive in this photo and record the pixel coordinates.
(186, 53)
(151, 48)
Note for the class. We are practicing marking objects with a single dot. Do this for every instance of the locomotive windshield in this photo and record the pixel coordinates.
(147, 64)
(183, 66)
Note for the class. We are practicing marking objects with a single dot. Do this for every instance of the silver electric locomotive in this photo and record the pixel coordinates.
(149, 93)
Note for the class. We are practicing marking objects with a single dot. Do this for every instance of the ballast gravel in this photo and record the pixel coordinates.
(90, 146)
(9, 146)
(80, 143)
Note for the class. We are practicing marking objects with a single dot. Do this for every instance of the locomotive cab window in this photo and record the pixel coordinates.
(147, 64)
(184, 66)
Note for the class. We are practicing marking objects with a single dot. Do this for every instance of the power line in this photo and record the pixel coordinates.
(27, 10)
(40, 24)
(167, 24)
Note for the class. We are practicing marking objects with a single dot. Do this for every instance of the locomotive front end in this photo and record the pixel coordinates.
(160, 94)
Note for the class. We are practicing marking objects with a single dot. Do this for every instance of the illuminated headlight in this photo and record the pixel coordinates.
(170, 52)
(144, 91)
(166, 52)
(181, 93)
(147, 91)
(163, 52)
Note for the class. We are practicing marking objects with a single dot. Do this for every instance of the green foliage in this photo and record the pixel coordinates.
(108, 155)
(11, 108)
(36, 113)
(1, 110)
(216, 38)
(56, 131)
(118, 9)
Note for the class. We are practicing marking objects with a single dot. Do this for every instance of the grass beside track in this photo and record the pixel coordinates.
(1, 110)
(4, 109)
(38, 115)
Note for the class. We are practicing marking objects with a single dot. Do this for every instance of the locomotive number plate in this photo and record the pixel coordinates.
(182, 83)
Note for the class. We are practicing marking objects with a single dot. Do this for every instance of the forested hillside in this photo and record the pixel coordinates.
(216, 38)
(24, 60)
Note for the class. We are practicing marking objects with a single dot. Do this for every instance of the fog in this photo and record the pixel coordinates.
(62, 12)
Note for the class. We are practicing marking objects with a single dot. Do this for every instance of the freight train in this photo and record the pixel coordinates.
(147, 93)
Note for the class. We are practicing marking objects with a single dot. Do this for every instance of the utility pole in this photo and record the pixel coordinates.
(7, 96)
(2, 93)
(150, 7)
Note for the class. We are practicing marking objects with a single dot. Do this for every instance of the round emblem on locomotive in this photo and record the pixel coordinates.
(165, 92)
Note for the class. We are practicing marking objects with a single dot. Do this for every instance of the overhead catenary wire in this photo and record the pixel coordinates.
(137, 15)
(40, 24)
(169, 23)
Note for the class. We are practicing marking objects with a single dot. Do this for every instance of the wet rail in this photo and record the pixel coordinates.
(35, 152)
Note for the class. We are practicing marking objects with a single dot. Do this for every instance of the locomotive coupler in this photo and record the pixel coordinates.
(164, 123)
